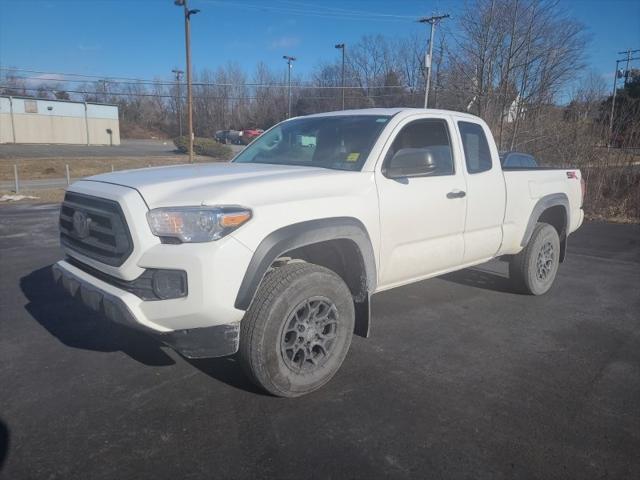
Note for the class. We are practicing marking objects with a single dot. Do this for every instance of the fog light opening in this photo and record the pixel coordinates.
(170, 284)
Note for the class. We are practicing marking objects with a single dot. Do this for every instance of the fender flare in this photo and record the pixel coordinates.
(548, 201)
(299, 235)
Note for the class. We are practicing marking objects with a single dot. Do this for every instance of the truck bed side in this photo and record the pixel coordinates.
(532, 191)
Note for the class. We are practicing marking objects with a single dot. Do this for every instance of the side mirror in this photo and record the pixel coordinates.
(411, 162)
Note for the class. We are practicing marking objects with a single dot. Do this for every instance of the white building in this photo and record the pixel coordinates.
(30, 120)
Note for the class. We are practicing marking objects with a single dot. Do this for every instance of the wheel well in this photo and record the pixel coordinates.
(341, 256)
(556, 216)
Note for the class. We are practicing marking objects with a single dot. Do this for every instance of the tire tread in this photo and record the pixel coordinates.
(518, 264)
(251, 328)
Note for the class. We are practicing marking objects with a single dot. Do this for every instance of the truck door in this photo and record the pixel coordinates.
(422, 215)
(485, 192)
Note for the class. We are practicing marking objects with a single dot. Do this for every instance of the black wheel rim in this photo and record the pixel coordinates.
(545, 261)
(309, 334)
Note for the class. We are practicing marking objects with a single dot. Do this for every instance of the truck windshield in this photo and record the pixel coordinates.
(341, 142)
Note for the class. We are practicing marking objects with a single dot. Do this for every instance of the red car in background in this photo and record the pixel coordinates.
(249, 135)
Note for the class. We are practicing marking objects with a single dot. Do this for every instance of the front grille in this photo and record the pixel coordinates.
(105, 238)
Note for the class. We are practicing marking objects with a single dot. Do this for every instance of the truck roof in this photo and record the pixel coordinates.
(390, 112)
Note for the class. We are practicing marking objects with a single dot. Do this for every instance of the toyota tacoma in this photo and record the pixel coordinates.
(275, 255)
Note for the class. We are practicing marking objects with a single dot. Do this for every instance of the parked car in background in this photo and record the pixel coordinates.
(517, 160)
(234, 137)
(250, 135)
(229, 136)
(221, 136)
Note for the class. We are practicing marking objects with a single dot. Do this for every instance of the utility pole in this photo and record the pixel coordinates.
(103, 85)
(626, 70)
(613, 103)
(432, 21)
(342, 47)
(187, 36)
(178, 74)
(290, 64)
(615, 86)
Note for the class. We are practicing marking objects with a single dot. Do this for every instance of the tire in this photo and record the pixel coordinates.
(534, 269)
(298, 329)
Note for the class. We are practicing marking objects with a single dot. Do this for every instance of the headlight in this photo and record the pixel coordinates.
(196, 224)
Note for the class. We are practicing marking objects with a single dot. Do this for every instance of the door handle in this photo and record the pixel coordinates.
(457, 194)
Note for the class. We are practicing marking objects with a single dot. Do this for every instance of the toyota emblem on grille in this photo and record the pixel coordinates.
(81, 224)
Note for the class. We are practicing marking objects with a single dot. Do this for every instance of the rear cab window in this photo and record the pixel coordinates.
(477, 154)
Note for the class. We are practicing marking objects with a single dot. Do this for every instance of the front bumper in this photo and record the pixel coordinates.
(123, 308)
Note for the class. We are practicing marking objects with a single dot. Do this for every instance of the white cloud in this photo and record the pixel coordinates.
(84, 47)
(284, 42)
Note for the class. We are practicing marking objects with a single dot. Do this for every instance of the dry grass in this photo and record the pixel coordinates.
(43, 168)
(590, 217)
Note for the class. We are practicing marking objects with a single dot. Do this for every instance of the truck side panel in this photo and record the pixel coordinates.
(524, 190)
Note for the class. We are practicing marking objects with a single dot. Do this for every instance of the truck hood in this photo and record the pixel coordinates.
(230, 183)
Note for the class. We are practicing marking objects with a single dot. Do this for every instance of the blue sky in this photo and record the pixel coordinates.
(145, 39)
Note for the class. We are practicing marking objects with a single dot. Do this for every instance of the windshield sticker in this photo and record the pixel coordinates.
(382, 120)
(353, 157)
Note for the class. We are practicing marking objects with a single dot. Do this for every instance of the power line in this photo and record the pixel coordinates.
(161, 95)
(81, 75)
(139, 81)
(358, 13)
(309, 12)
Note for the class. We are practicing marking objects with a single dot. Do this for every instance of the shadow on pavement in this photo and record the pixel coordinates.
(473, 277)
(79, 327)
(4, 443)
(227, 370)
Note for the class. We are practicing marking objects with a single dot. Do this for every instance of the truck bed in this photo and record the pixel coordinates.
(525, 186)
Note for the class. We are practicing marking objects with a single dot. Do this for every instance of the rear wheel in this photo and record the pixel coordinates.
(534, 269)
(297, 332)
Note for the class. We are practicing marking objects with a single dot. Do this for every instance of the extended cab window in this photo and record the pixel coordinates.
(476, 148)
(519, 160)
(431, 136)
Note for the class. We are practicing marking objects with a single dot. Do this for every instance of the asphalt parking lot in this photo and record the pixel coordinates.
(461, 379)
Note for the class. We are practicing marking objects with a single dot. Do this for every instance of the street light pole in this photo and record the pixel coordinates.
(178, 74)
(342, 47)
(187, 36)
(290, 64)
(428, 57)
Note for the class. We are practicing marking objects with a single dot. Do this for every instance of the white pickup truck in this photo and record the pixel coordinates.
(275, 255)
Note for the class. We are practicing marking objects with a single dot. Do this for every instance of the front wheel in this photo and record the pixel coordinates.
(534, 269)
(298, 329)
